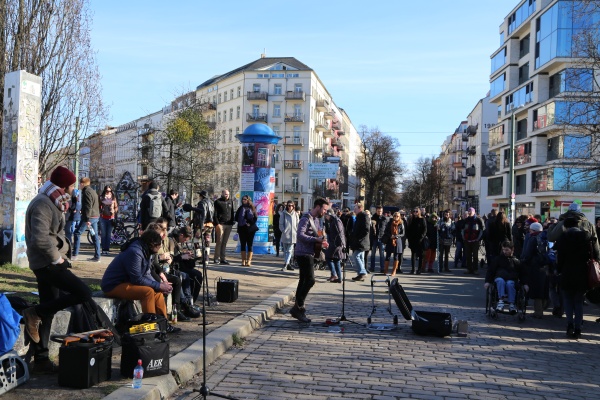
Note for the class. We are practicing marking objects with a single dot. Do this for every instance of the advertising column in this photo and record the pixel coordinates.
(258, 179)
(20, 153)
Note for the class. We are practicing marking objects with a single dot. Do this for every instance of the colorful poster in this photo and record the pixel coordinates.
(264, 180)
(248, 155)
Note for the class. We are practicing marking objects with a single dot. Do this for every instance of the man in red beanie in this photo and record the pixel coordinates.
(48, 252)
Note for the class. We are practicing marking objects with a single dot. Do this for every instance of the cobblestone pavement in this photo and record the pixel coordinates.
(500, 358)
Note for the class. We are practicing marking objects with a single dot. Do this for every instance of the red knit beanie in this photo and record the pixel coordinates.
(532, 220)
(62, 177)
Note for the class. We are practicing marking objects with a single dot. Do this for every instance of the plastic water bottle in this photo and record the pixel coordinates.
(92, 231)
(174, 314)
(138, 374)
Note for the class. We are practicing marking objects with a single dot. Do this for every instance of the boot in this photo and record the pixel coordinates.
(32, 323)
(538, 308)
(249, 259)
(395, 268)
(243, 258)
(386, 264)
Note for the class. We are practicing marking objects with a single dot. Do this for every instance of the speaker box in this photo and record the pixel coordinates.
(84, 365)
(227, 290)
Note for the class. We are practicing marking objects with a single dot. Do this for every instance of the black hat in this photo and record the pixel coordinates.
(203, 193)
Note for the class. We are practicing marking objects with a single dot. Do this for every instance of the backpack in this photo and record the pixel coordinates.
(155, 206)
(10, 325)
(547, 255)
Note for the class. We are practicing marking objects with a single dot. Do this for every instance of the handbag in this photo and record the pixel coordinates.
(593, 270)
(253, 228)
(236, 237)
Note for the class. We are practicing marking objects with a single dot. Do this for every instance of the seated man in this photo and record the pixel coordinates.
(505, 270)
(129, 276)
(184, 258)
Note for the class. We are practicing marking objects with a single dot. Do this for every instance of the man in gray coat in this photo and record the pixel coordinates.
(48, 253)
(90, 214)
(288, 225)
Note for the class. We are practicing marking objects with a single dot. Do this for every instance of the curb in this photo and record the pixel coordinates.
(187, 363)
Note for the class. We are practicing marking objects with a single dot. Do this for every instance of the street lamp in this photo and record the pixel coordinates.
(511, 171)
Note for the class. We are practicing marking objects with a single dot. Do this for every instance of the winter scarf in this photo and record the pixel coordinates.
(57, 195)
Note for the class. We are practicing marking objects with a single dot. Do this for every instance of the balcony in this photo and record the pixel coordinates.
(293, 141)
(472, 150)
(322, 126)
(340, 133)
(328, 133)
(336, 125)
(293, 188)
(458, 164)
(458, 181)
(318, 150)
(257, 96)
(294, 118)
(470, 171)
(293, 164)
(341, 147)
(208, 106)
(329, 115)
(144, 161)
(322, 105)
(472, 130)
(211, 125)
(465, 137)
(291, 95)
(256, 117)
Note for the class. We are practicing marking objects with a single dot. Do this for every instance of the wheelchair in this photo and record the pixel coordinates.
(492, 298)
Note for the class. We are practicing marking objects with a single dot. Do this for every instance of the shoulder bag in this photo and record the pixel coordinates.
(593, 270)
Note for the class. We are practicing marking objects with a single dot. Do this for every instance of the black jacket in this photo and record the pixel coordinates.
(380, 224)
(224, 211)
(507, 268)
(359, 237)
(416, 229)
(170, 214)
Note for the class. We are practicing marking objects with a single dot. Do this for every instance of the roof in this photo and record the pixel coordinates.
(260, 64)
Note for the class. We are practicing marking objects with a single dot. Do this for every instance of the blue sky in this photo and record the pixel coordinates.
(412, 69)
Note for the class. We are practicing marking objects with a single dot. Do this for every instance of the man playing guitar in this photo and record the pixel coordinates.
(309, 241)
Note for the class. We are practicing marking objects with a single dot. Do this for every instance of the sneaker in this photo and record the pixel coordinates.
(511, 308)
(215, 261)
(576, 333)
(94, 259)
(359, 277)
(290, 267)
(74, 258)
(224, 262)
(500, 306)
(570, 330)
(181, 317)
(32, 323)
(172, 329)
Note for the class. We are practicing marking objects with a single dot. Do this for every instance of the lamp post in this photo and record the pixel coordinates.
(511, 167)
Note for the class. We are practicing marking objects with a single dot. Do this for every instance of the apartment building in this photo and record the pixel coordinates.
(532, 72)
(287, 95)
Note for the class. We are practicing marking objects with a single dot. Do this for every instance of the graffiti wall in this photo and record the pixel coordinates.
(20, 158)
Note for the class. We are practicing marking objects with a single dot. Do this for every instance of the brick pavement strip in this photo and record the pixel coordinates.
(499, 359)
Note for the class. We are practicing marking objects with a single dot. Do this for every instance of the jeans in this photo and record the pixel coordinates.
(222, 233)
(573, 303)
(335, 267)
(59, 288)
(359, 259)
(459, 254)
(70, 227)
(195, 280)
(444, 254)
(503, 286)
(306, 265)
(80, 230)
(378, 245)
(106, 229)
(288, 252)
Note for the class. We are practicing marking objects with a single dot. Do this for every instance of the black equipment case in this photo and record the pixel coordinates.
(150, 347)
(423, 322)
(227, 290)
(83, 365)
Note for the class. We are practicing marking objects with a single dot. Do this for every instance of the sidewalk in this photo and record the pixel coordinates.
(262, 289)
(499, 359)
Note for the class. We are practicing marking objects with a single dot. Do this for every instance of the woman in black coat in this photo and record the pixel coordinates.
(531, 258)
(500, 231)
(334, 229)
(416, 230)
(276, 230)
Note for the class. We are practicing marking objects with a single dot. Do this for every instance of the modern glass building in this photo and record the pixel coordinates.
(541, 87)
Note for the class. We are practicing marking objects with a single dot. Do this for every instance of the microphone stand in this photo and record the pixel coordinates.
(204, 390)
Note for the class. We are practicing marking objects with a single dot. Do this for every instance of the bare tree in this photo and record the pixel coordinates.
(51, 39)
(378, 164)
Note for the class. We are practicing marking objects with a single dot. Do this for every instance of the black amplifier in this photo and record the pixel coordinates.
(83, 365)
(227, 290)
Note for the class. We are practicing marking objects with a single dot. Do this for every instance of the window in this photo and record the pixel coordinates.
(495, 186)
(518, 98)
(297, 110)
(278, 88)
(256, 87)
(276, 129)
(521, 184)
(524, 46)
(523, 73)
(255, 110)
(238, 112)
(296, 155)
(276, 110)
(569, 147)
(225, 96)
(224, 116)
(231, 114)
(239, 91)
(230, 135)
(498, 85)
(521, 129)
(219, 116)
(571, 80)
(277, 180)
(231, 94)
(297, 138)
(499, 60)
(219, 98)
(297, 87)
(521, 15)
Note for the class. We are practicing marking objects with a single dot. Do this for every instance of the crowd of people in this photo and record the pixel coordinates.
(162, 260)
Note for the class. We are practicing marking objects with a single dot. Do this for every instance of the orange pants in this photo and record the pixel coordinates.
(429, 257)
(152, 302)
